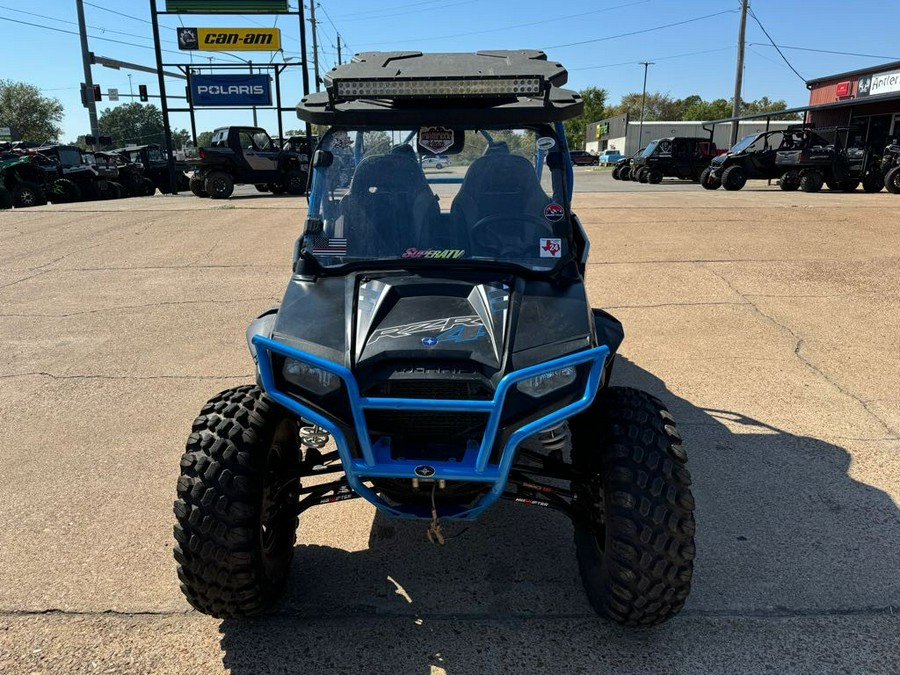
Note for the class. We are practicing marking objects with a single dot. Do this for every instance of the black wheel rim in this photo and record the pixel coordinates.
(26, 196)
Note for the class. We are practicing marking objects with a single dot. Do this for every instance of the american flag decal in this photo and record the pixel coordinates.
(329, 245)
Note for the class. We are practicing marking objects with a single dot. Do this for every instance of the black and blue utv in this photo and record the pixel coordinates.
(435, 350)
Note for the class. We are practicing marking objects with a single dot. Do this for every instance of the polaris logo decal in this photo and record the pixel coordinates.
(234, 89)
(231, 90)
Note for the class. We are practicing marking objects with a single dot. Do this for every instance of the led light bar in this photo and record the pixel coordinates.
(346, 89)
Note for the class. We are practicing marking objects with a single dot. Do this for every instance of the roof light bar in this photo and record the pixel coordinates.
(347, 89)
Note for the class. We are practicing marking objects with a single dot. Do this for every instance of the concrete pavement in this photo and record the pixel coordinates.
(769, 322)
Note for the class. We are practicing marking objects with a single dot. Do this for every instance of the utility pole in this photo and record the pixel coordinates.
(130, 88)
(312, 20)
(739, 75)
(646, 65)
(88, 80)
(339, 49)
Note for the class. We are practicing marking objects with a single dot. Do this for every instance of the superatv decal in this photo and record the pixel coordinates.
(433, 253)
(550, 248)
(439, 326)
(554, 212)
(436, 139)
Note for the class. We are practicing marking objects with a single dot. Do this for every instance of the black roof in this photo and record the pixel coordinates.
(395, 89)
(853, 73)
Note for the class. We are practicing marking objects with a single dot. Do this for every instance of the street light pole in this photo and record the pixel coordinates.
(646, 65)
(130, 89)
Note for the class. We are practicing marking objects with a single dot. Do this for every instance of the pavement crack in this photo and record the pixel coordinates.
(53, 376)
(799, 342)
(677, 304)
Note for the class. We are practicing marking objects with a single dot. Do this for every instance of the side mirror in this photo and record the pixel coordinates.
(322, 159)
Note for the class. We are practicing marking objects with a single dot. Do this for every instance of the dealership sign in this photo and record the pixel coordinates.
(883, 83)
(230, 39)
(226, 6)
(230, 90)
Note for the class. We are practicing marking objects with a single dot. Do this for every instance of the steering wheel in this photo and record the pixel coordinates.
(505, 235)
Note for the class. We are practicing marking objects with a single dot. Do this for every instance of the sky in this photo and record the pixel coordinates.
(601, 42)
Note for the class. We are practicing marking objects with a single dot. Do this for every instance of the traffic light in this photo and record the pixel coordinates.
(98, 96)
(142, 92)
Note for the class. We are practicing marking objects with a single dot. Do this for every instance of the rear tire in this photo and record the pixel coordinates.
(811, 180)
(26, 194)
(892, 180)
(789, 181)
(625, 173)
(615, 172)
(219, 185)
(295, 182)
(634, 538)
(734, 178)
(654, 176)
(118, 190)
(873, 182)
(261, 187)
(196, 186)
(643, 175)
(235, 512)
(708, 181)
(64, 191)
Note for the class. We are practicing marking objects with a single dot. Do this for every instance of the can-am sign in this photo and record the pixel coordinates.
(226, 6)
(230, 90)
(230, 39)
(883, 83)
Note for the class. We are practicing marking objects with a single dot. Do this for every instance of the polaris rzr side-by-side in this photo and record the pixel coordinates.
(435, 350)
(753, 157)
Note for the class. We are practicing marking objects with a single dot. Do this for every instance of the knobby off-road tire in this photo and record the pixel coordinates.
(295, 182)
(789, 181)
(709, 182)
(873, 182)
(811, 180)
(654, 177)
(734, 178)
(25, 194)
(235, 520)
(64, 191)
(219, 185)
(892, 180)
(196, 187)
(615, 172)
(625, 173)
(635, 539)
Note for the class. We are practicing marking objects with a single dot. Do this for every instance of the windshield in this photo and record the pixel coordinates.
(651, 146)
(155, 155)
(69, 157)
(439, 194)
(742, 144)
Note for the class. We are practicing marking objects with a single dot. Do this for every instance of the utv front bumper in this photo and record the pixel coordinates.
(374, 460)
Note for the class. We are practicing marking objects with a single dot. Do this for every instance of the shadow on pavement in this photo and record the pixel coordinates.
(782, 531)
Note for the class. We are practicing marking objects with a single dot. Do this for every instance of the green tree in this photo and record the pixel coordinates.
(133, 123)
(658, 106)
(204, 139)
(28, 114)
(704, 111)
(765, 104)
(594, 109)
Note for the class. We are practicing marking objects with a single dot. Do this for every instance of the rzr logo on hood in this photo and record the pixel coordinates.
(435, 325)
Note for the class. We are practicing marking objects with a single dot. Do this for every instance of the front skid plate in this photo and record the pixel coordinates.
(475, 465)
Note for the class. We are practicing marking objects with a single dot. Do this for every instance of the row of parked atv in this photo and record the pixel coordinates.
(799, 158)
(32, 175)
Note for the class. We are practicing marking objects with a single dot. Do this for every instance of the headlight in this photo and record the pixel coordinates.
(544, 384)
(314, 380)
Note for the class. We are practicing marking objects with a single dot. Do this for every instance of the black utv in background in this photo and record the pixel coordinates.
(683, 157)
(890, 168)
(622, 168)
(826, 157)
(246, 155)
(753, 157)
(155, 166)
(78, 178)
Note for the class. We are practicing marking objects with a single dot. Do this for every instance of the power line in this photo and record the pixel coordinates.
(658, 58)
(382, 15)
(826, 51)
(519, 25)
(639, 32)
(92, 37)
(127, 16)
(780, 53)
(390, 8)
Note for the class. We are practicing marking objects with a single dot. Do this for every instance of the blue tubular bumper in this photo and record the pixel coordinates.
(376, 461)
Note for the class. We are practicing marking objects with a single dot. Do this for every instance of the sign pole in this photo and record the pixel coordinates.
(305, 69)
(88, 80)
(167, 130)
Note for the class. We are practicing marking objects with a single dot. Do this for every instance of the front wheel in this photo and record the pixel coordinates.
(708, 181)
(734, 178)
(219, 185)
(625, 173)
(892, 180)
(811, 180)
(235, 511)
(634, 534)
(295, 182)
(643, 175)
(655, 177)
(615, 172)
(25, 193)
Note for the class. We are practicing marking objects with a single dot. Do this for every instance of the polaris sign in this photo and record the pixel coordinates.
(230, 90)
